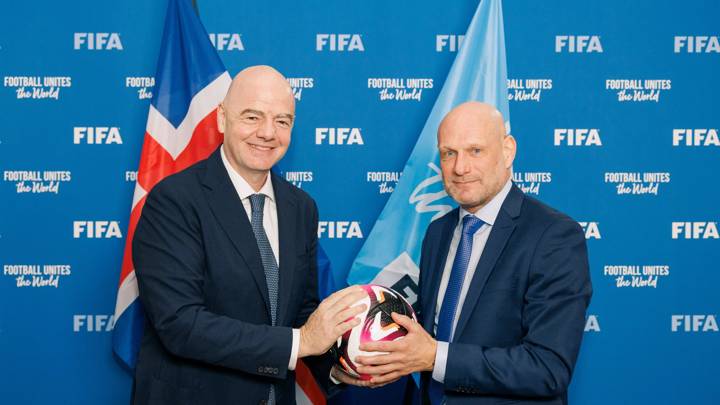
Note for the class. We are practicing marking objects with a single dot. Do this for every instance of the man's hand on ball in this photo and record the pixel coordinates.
(333, 317)
(345, 378)
(414, 352)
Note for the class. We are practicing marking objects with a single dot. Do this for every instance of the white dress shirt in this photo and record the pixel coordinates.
(270, 225)
(488, 214)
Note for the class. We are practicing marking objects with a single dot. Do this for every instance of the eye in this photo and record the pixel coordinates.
(284, 123)
(251, 118)
(476, 151)
(447, 154)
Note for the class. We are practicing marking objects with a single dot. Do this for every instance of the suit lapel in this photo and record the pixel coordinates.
(499, 235)
(228, 209)
(287, 233)
(436, 268)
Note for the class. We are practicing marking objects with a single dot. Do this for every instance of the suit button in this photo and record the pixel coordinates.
(260, 369)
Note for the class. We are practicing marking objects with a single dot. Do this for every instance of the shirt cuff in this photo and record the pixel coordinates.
(295, 349)
(332, 377)
(441, 354)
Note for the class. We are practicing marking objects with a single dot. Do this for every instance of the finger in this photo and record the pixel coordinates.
(374, 385)
(383, 346)
(378, 360)
(345, 326)
(385, 379)
(338, 295)
(404, 321)
(379, 370)
(349, 313)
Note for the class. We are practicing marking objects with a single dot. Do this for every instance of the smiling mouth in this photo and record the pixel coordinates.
(260, 148)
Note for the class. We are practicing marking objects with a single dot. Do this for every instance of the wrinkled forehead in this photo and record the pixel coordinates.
(272, 95)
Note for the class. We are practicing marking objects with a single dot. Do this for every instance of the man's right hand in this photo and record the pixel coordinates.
(332, 318)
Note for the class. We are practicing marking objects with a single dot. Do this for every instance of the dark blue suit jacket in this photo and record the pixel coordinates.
(208, 338)
(519, 332)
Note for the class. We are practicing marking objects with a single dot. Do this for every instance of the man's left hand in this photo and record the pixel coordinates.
(414, 352)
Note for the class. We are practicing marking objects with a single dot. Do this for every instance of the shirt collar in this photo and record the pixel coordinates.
(242, 187)
(489, 212)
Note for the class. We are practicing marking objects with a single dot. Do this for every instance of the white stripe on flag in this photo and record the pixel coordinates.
(300, 397)
(127, 293)
(205, 101)
(137, 195)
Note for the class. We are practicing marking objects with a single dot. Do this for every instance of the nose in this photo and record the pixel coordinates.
(462, 165)
(266, 131)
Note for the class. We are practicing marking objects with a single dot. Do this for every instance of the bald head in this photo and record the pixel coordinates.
(476, 154)
(256, 118)
(479, 114)
(263, 79)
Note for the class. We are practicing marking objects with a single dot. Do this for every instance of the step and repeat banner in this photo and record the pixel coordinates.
(614, 106)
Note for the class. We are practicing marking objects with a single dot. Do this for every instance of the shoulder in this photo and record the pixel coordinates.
(301, 197)
(180, 185)
(542, 217)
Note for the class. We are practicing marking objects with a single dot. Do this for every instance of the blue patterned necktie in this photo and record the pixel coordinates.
(470, 225)
(272, 276)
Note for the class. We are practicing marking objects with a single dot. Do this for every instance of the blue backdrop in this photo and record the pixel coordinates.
(614, 105)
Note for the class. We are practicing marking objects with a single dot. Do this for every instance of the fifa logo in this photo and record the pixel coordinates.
(339, 229)
(578, 137)
(97, 135)
(224, 41)
(93, 323)
(697, 44)
(338, 136)
(96, 229)
(99, 41)
(339, 42)
(695, 230)
(695, 137)
(694, 323)
(451, 43)
(578, 44)
(591, 229)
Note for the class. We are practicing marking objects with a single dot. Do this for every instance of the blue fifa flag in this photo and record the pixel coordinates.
(391, 253)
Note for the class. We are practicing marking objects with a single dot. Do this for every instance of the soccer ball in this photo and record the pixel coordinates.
(376, 325)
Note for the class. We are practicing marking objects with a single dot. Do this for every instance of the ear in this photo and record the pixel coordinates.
(221, 118)
(509, 149)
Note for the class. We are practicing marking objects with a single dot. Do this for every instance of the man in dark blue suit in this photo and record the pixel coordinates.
(504, 282)
(225, 258)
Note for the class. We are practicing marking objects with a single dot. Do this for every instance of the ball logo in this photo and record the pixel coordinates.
(695, 230)
(592, 324)
(399, 88)
(451, 43)
(97, 135)
(578, 44)
(224, 41)
(527, 89)
(338, 136)
(98, 41)
(693, 323)
(695, 137)
(96, 229)
(339, 229)
(93, 323)
(577, 137)
(697, 44)
(591, 229)
(339, 42)
(529, 182)
(298, 84)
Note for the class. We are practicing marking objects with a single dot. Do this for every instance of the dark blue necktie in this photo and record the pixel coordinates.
(446, 318)
(272, 276)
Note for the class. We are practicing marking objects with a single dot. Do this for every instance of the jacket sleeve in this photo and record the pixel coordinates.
(169, 260)
(558, 294)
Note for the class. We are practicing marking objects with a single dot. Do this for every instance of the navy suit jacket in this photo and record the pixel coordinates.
(208, 336)
(518, 335)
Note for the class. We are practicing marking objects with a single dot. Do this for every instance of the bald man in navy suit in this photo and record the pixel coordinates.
(504, 283)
